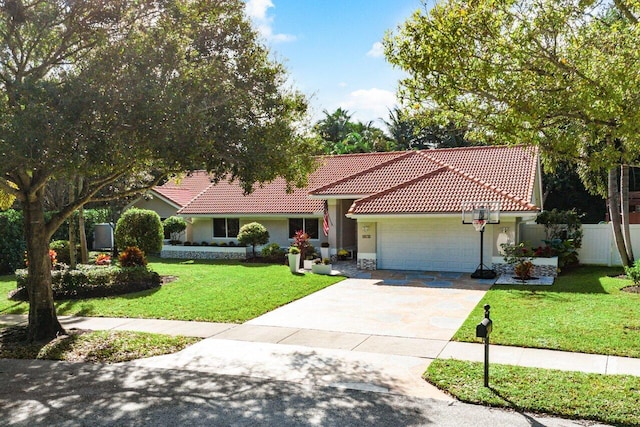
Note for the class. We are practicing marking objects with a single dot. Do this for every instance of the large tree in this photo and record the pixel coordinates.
(559, 74)
(117, 94)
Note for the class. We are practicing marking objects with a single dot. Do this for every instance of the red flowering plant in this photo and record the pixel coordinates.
(301, 241)
(103, 259)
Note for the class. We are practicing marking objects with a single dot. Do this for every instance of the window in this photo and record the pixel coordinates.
(226, 227)
(309, 225)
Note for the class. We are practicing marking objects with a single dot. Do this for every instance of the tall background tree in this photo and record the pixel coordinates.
(123, 92)
(559, 74)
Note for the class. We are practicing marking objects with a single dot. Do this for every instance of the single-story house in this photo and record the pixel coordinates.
(395, 210)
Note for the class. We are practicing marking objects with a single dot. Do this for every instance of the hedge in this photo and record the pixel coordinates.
(91, 281)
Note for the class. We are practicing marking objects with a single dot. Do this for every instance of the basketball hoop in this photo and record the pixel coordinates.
(479, 224)
(479, 214)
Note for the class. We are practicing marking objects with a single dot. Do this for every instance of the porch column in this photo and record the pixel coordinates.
(367, 246)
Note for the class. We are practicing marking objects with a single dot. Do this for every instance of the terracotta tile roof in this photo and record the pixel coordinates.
(181, 191)
(442, 191)
(272, 198)
(429, 181)
(381, 177)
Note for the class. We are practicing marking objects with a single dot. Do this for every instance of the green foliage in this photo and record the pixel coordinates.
(560, 76)
(174, 225)
(12, 242)
(294, 250)
(273, 251)
(342, 136)
(141, 228)
(633, 272)
(62, 249)
(564, 225)
(89, 281)
(564, 234)
(253, 234)
(132, 256)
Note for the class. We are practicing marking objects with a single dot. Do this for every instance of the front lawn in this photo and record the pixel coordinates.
(611, 399)
(89, 346)
(213, 291)
(584, 311)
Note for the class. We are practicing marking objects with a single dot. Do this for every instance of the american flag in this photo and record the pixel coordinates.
(325, 220)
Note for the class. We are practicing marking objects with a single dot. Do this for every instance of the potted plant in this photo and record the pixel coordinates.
(343, 254)
(308, 263)
(324, 250)
(294, 259)
(301, 241)
(322, 267)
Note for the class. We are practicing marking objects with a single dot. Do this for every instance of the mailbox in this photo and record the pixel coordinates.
(483, 329)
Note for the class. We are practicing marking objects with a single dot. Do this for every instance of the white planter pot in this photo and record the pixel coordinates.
(321, 269)
(294, 262)
(308, 264)
(324, 253)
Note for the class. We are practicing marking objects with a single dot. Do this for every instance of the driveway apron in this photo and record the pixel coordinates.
(357, 334)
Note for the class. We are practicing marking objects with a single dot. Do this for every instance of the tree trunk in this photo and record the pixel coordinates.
(72, 243)
(84, 255)
(43, 322)
(624, 205)
(614, 214)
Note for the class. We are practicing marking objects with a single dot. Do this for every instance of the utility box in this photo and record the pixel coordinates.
(103, 237)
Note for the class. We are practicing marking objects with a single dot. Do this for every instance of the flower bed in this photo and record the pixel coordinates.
(88, 281)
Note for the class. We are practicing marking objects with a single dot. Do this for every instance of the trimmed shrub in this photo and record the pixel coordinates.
(141, 228)
(12, 242)
(253, 234)
(174, 225)
(132, 257)
(90, 281)
(63, 250)
(633, 273)
(273, 251)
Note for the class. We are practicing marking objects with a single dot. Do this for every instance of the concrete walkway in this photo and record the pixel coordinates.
(356, 343)
(357, 334)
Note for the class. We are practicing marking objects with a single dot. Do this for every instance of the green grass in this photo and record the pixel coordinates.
(211, 291)
(584, 311)
(612, 399)
(94, 347)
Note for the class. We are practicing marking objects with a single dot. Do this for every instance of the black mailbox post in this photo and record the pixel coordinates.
(483, 330)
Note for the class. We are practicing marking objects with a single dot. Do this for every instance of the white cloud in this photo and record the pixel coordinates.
(376, 51)
(257, 11)
(343, 84)
(370, 104)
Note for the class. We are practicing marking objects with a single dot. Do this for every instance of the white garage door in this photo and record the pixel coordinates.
(429, 245)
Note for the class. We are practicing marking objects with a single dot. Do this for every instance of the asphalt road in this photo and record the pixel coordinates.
(34, 393)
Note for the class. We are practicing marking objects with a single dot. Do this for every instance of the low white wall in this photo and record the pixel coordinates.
(598, 246)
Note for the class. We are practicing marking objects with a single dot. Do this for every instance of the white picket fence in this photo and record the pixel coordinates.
(598, 246)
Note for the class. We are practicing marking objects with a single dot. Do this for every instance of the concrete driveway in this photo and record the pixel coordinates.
(361, 306)
(357, 334)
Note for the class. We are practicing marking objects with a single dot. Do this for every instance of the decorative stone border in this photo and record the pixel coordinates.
(367, 264)
(541, 266)
(205, 252)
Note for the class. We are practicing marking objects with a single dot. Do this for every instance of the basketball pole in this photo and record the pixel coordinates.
(481, 273)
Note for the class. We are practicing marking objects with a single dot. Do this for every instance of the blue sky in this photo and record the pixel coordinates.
(329, 48)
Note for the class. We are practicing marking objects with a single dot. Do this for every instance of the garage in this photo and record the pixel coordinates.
(438, 244)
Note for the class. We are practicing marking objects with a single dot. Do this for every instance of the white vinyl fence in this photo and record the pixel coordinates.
(598, 246)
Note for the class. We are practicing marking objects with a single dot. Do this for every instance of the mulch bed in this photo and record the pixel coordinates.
(635, 289)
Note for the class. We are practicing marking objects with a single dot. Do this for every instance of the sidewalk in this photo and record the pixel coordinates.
(357, 343)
